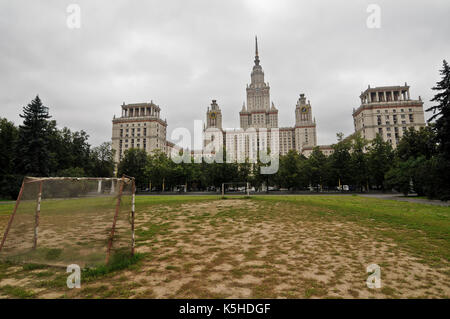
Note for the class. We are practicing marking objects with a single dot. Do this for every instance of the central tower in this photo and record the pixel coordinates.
(258, 113)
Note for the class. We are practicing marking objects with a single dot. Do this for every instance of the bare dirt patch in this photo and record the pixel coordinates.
(238, 248)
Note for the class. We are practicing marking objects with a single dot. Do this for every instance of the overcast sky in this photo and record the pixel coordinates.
(182, 54)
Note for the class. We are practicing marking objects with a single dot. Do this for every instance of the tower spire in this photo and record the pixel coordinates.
(256, 51)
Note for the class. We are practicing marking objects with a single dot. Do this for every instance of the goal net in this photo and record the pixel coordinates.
(236, 188)
(63, 220)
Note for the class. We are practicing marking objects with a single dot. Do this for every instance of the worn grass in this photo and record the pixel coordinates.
(262, 247)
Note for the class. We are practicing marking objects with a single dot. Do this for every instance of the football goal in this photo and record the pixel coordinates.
(236, 188)
(63, 220)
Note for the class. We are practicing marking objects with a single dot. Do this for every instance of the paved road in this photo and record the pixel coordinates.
(407, 199)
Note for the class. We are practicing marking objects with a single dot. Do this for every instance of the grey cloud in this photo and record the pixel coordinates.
(182, 54)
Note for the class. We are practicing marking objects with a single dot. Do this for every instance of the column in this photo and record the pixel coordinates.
(408, 94)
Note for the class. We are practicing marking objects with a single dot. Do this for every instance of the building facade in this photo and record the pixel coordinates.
(388, 111)
(139, 126)
(259, 129)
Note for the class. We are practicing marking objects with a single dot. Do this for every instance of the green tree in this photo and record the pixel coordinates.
(413, 152)
(358, 160)
(441, 111)
(399, 177)
(244, 171)
(33, 141)
(9, 179)
(439, 165)
(134, 164)
(340, 163)
(380, 160)
(288, 172)
(317, 163)
(72, 172)
(415, 143)
(8, 138)
(102, 160)
(158, 170)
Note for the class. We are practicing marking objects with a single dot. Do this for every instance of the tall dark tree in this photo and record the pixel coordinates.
(358, 160)
(288, 171)
(441, 111)
(380, 161)
(102, 160)
(8, 139)
(340, 161)
(318, 165)
(9, 178)
(441, 115)
(415, 143)
(134, 164)
(32, 146)
(412, 161)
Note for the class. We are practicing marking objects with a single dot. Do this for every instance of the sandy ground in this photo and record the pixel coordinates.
(252, 249)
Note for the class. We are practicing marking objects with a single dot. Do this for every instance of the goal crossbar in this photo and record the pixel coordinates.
(247, 187)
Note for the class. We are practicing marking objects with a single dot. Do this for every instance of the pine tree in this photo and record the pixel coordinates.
(32, 147)
(441, 111)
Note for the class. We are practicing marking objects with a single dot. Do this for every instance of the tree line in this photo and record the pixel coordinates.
(38, 148)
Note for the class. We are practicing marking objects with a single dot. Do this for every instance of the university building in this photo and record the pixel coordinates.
(388, 111)
(139, 126)
(259, 128)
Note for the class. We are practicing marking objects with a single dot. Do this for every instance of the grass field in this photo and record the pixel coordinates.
(262, 247)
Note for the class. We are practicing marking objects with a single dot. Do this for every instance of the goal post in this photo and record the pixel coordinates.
(236, 188)
(67, 220)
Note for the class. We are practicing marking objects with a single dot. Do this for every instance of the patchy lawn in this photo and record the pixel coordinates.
(263, 247)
